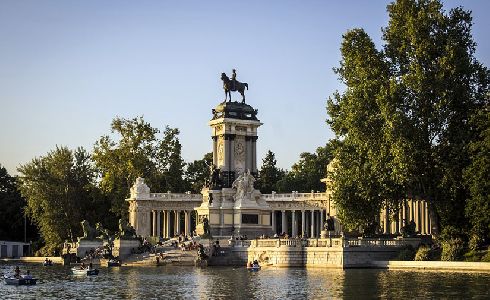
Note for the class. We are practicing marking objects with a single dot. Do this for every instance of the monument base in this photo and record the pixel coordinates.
(85, 246)
(124, 248)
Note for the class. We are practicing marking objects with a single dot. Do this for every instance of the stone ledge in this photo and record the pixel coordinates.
(432, 265)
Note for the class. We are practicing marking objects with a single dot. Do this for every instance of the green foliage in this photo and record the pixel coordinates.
(269, 174)
(477, 176)
(486, 257)
(452, 249)
(12, 210)
(60, 193)
(305, 175)
(423, 253)
(198, 172)
(406, 254)
(138, 152)
(403, 121)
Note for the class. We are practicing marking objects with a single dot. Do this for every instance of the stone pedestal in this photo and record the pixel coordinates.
(84, 246)
(124, 248)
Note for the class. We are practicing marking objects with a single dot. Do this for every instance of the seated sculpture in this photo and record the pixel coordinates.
(126, 231)
(89, 233)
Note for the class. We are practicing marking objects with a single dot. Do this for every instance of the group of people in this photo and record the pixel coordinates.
(84, 267)
(17, 274)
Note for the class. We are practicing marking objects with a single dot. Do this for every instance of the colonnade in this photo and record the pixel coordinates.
(299, 222)
(168, 223)
(410, 210)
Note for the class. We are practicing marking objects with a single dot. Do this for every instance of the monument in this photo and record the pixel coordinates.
(231, 204)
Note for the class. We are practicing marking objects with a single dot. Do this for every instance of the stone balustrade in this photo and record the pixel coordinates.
(294, 196)
(176, 196)
(335, 242)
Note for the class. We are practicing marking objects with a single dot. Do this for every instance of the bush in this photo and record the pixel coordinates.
(423, 253)
(486, 257)
(407, 253)
(452, 249)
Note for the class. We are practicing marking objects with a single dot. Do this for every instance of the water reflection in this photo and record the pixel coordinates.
(237, 283)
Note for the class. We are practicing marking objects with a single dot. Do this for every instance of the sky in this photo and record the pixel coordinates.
(67, 68)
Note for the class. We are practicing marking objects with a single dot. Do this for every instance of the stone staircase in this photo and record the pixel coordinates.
(170, 257)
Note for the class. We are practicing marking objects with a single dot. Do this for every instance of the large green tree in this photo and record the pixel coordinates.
(306, 174)
(138, 152)
(406, 109)
(60, 193)
(12, 210)
(198, 172)
(269, 174)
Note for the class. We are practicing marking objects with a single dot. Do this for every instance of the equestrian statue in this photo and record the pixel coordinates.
(233, 85)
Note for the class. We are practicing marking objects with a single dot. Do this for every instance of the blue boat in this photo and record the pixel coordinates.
(22, 280)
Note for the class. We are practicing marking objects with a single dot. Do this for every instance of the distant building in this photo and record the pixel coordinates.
(10, 249)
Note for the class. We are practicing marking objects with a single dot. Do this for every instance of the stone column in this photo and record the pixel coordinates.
(154, 227)
(293, 223)
(215, 150)
(284, 224)
(167, 224)
(248, 154)
(303, 224)
(254, 154)
(164, 224)
(427, 218)
(397, 221)
(417, 215)
(273, 219)
(177, 222)
(312, 225)
(158, 223)
(322, 221)
(386, 227)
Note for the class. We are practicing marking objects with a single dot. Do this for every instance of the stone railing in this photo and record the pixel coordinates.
(241, 243)
(294, 196)
(176, 196)
(335, 242)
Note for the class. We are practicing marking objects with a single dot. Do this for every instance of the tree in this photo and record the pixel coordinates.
(138, 153)
(59, 190)
(12, 212)
(198, 172)
(406, 109)
(269, 174)
(306, 174)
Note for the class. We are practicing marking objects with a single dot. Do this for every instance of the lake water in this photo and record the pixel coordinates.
(237, 283)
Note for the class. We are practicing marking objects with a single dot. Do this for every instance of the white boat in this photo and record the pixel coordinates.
(79, 271)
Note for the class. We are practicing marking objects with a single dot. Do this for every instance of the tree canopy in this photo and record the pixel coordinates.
(404, 118)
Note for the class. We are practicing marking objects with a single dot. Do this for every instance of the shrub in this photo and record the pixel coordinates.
(486, 257)
(407, 253)
(423, 253)
(452, 249)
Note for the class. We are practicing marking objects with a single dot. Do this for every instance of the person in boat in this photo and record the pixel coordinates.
(82, 266)
(27, 275)
(90, 267)
(256, 263)
(17, 272)
(249, 264)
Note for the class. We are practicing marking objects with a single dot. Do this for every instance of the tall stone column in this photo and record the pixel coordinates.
(273, 219)
(215, 150)
(168, 233)
(254, 154)
(164, 224)
(177, 221)
(158, 223)
(397, 221)
(154, 219)
(322, 220)
(248, 153)
(417, 215)
(187, 219)
(284, 222)
(294, 225)
(303, 224)
(386, 229)
(312, 225)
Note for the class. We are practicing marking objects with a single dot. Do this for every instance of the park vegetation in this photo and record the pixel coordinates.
(413, 122)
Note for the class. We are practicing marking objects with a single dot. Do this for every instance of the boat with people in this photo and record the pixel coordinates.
(22, 280)
(82, 270)
(253, 267)
(47, 262)
(113, 263)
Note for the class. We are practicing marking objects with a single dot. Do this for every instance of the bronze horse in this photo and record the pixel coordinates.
(233, 86)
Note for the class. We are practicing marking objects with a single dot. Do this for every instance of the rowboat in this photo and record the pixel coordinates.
(20, 281)
(78, 271)
(253, 268)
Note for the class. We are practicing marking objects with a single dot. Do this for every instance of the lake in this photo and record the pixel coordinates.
(171, 282)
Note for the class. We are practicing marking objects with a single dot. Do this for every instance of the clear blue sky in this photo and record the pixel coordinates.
(67, 68)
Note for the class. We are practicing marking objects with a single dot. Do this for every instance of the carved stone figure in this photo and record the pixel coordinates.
(233, 85)
(139, 188)
(89, 233)
(244, 185)
(102, 232)
(126, 231)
